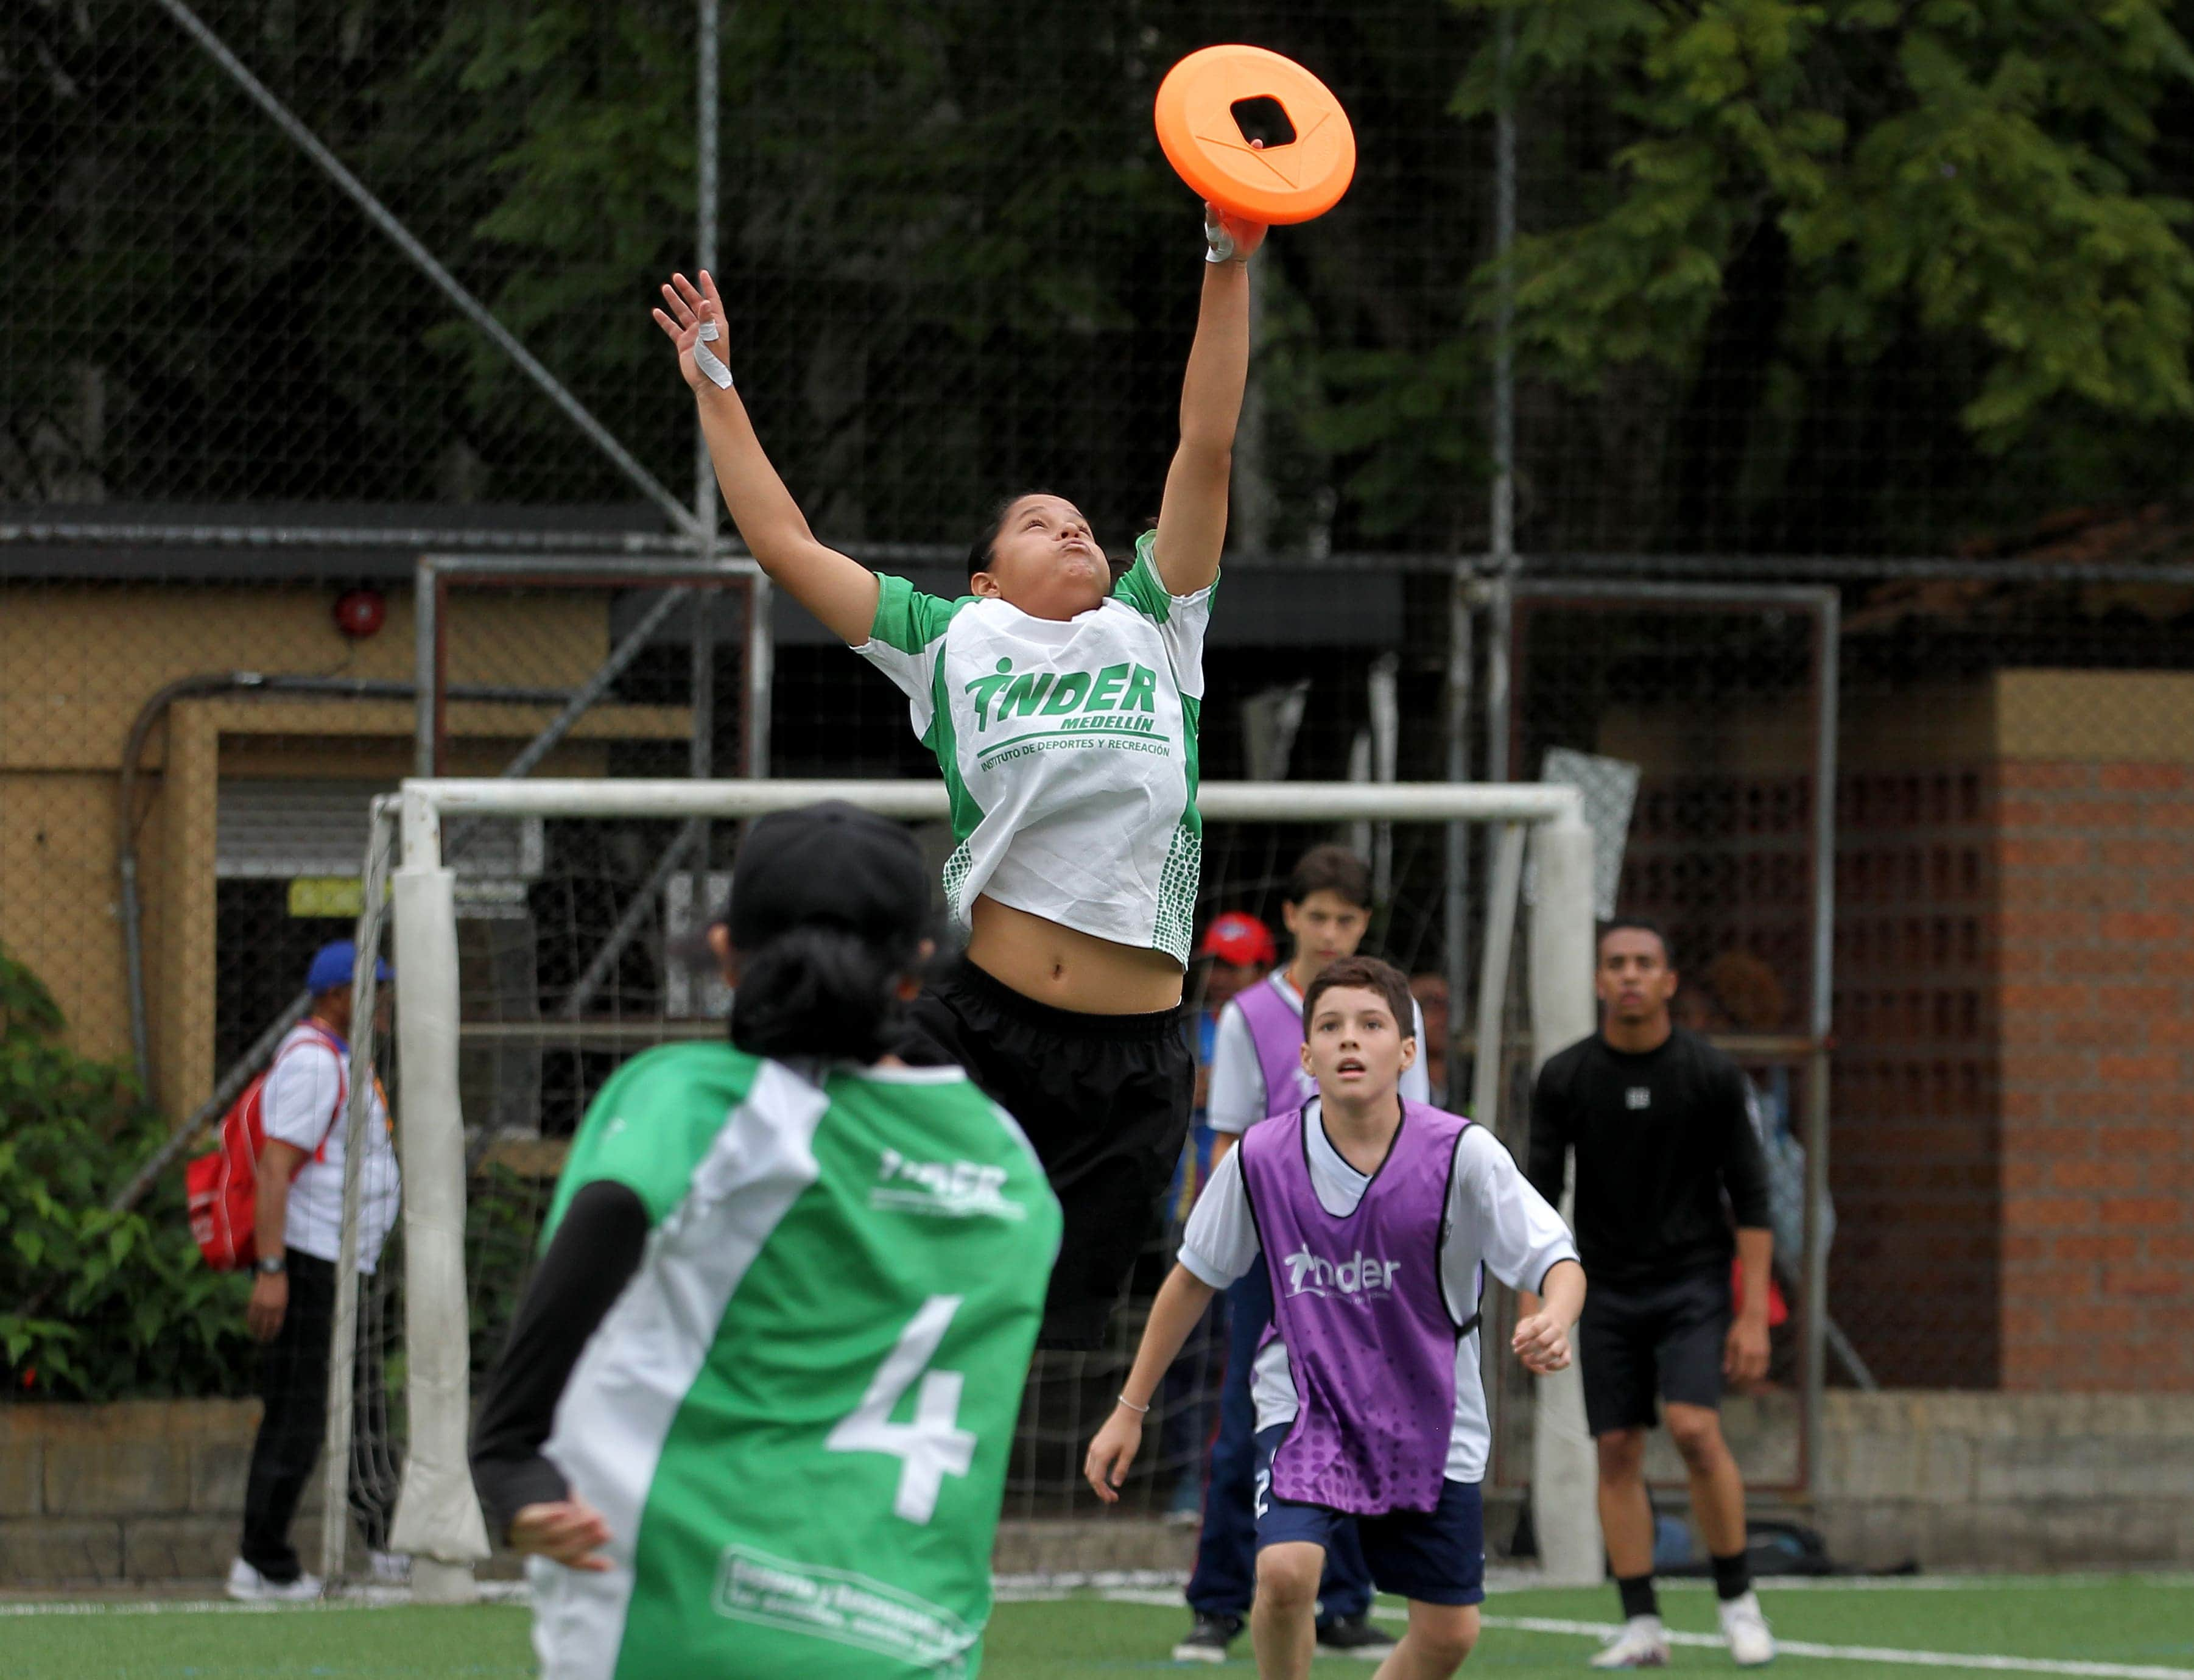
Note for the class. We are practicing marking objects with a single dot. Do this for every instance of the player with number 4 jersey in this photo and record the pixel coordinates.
(784, 1317)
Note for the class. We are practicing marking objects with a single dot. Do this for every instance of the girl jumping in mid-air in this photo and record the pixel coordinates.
(1060, 697)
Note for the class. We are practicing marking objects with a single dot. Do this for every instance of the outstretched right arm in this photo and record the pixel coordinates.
(838, 589)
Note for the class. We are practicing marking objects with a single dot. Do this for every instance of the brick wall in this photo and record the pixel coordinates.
(2096, 973)
(1916, 1155)
(2013, 1078)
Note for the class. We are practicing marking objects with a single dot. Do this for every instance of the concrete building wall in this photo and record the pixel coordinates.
(76, 664)
(151, 1491)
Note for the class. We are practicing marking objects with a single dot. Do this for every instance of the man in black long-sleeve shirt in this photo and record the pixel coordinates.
(1667, 1161)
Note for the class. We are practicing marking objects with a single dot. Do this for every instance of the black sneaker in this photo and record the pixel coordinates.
(1355, 1636)
(1207, 1641)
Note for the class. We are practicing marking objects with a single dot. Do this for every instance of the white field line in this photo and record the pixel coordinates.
(1503, 1578)
(1806, 1648)
(1996, 1581)
(364, 1599)
(1162, 1588)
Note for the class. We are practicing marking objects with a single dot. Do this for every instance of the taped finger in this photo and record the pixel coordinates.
(705, 359)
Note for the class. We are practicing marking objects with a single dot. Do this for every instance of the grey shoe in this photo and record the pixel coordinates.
(1207, 1641)
(1355, 1637)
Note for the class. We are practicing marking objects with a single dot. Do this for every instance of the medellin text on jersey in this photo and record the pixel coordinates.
(795, 1419)
(1069, 749)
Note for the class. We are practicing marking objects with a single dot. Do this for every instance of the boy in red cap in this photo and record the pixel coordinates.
(1241, 953)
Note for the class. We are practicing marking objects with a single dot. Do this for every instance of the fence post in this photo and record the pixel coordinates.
(437, 1514)
(1564, 1473)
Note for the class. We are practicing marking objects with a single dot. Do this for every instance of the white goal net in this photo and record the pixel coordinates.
(516, 999)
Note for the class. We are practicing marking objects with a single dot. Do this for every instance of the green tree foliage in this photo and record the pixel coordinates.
(957, 263)
(124, 1305)
(1951, 209)
(193, 313)
(1796, 274)
(879, 225)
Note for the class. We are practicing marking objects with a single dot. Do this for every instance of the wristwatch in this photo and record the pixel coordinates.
(271, 1265)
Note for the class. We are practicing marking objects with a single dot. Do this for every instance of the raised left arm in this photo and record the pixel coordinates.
(1192, 517)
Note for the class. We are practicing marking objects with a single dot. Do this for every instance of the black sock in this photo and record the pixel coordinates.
(1639, 1598)
(1732, 1575)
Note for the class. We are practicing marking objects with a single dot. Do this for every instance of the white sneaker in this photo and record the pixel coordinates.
(1744, 1624)
(249, 1586)
(1643, 1643)
(387, 1568)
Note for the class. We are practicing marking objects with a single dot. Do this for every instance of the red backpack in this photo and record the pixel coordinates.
(222, 1190)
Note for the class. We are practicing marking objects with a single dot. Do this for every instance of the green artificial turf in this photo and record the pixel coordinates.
(2146, 1622)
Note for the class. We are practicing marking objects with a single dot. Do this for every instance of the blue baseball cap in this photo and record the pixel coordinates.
(333, 964)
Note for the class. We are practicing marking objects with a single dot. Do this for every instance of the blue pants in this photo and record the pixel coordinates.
(1226, 1578)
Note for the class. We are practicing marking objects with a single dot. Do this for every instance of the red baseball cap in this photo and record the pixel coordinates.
(1239, 938)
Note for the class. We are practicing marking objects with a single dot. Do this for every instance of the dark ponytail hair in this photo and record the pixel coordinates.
(818, 990)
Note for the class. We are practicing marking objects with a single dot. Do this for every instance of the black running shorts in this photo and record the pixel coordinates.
(1637, 1341)
(1104, 1099)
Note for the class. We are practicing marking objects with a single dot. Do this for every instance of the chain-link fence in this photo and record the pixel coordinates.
(1919, 829)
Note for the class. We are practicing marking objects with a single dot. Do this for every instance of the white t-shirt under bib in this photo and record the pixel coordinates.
(1494, 1218)
(1069, 748)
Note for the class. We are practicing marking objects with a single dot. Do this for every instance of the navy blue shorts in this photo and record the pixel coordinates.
(1435, 1557)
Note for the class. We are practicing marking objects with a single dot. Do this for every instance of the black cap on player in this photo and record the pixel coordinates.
(832, 864)
(830, 904)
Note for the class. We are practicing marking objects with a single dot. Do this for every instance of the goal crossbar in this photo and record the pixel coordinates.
(437, 1516)
(425, 800)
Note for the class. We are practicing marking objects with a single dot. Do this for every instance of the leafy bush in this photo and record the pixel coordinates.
(97, 1305)
(503, 1211)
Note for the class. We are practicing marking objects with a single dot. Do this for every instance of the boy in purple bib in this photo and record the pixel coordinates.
(1376, 1218)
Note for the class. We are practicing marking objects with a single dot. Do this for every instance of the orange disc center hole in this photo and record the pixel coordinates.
(1264, 118)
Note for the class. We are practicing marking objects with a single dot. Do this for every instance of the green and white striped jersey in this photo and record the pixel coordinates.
(795, 1418)
(1069, 749)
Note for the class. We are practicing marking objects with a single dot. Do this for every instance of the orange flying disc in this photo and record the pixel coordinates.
(1204, 143)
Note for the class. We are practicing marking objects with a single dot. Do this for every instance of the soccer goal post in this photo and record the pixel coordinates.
(438, 1520)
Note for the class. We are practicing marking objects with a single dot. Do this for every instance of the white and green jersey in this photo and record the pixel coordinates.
(795, 1418)
(1069, 749)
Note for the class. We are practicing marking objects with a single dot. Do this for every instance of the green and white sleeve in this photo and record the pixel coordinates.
(1182, 620)
(906, 641)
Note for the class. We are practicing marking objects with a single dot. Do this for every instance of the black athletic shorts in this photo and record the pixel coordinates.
(1106, 1101)
(1636, 1341)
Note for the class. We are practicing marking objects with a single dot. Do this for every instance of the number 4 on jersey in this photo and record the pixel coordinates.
(934, 1446)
